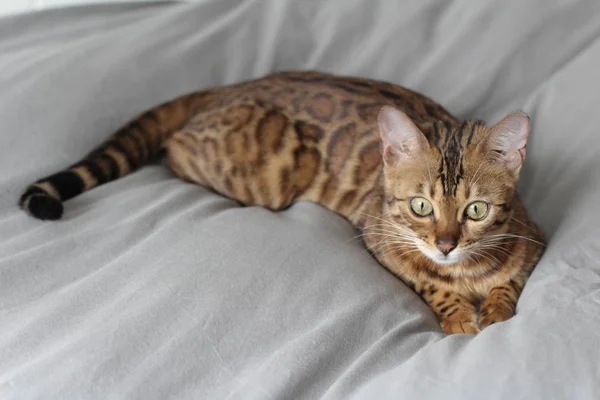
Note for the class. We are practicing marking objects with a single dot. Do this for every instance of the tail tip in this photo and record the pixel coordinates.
(42, 206)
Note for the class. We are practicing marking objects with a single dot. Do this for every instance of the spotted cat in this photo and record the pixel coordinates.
(433, 197)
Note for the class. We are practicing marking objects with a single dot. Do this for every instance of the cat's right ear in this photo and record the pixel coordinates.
(402, 140)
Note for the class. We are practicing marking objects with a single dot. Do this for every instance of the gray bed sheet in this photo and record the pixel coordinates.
(151, 288)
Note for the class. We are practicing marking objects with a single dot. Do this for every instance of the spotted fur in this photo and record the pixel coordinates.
(295, 136)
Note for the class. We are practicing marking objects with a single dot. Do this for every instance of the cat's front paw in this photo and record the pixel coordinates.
(460, 324)
(491, 314)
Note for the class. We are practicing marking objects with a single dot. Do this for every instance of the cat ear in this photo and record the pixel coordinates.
(402, 140)
(507, 140)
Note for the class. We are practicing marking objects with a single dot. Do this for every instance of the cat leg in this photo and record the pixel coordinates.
(455, 312)
(500, 303)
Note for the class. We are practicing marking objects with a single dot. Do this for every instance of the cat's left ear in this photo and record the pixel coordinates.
(507, 141)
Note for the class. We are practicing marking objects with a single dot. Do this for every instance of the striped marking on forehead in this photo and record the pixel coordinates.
(452, 141)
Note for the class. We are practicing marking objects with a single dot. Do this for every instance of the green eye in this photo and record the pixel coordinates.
(477, 210)
(420, 206)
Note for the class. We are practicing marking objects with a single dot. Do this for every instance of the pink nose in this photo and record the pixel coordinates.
(446, 245)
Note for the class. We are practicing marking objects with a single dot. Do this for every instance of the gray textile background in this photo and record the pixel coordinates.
(151, 288)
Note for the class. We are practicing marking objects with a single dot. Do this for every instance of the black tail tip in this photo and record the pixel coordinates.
(42, 206)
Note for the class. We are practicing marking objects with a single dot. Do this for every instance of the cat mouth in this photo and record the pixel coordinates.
(447, 260)
(454, 257)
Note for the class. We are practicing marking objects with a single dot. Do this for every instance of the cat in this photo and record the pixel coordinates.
(434, 197)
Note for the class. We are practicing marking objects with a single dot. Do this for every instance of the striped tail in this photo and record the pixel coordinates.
(134, 145)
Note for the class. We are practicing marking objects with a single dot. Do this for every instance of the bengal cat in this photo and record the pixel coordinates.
(434, 197)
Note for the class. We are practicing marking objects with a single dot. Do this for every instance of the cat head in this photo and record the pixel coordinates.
(450, 189)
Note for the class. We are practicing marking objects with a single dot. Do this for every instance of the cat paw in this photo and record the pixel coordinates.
(455, 325)
(492, 314)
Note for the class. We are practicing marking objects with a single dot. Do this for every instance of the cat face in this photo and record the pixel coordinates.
(448, 195)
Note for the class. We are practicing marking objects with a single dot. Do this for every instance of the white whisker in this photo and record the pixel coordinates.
(379, 218)
(399, 255)
(429, 171)
(379, 246)
(510, 235)
(495, 247)
(524, 224)
(479, 254)
(473, 180)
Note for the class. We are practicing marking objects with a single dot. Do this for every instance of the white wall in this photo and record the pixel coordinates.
(17, 6)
